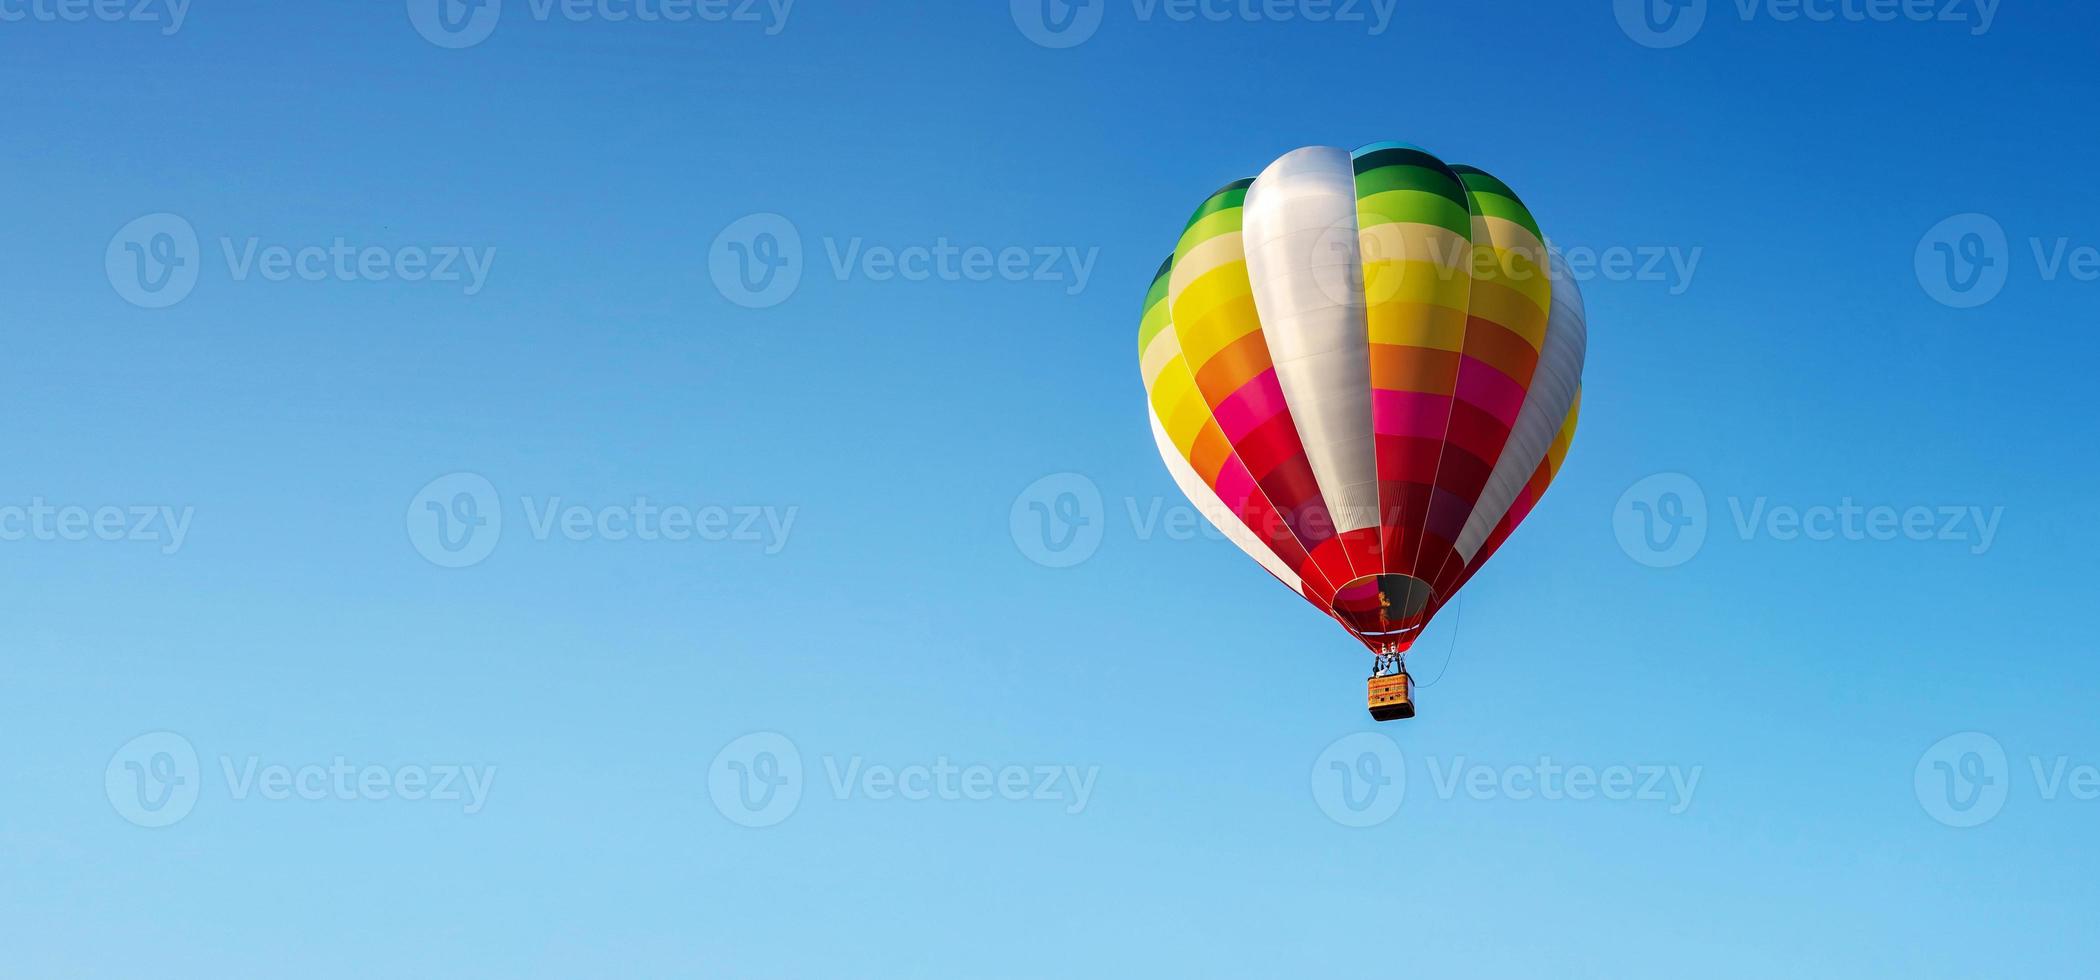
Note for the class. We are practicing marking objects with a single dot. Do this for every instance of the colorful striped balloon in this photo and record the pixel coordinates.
(1364, 368)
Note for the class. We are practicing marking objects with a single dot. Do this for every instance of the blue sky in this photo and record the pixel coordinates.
(370, 614)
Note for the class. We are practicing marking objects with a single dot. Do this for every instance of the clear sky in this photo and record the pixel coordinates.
(570, 574)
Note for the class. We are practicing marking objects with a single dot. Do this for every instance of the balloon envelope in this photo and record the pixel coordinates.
(1364, 368)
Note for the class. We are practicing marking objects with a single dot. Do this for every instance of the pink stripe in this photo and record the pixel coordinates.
(1235, 485)
(1412, 414)
(1256, 402)
(1490, 390)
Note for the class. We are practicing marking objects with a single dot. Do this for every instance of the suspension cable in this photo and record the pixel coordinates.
(1450, 649)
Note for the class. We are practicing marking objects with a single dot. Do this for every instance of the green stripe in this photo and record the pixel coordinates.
(1410, 178)
(1158, 290)
(1493, 198)
(1154, 317)
(1231, 195)
(1481, 180)
(1218, 215)
(1414, 207)
(1213, 225)
(1497, 206)
(1149, 326)
(1394, 156)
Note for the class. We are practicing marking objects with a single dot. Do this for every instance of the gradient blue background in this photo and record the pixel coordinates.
(901, 623)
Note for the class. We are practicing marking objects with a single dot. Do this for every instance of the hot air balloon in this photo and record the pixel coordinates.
(1365, 368)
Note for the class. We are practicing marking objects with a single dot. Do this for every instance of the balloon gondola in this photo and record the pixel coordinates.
(1365, 368)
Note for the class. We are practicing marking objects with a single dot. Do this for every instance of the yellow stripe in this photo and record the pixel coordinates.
(1508, 253)
(1202, 260)
(1180, 407)
(1507, 234)
(1416, 282)
(1214, 311)
(1163, 349)
(1418, 325)
(1415, 242)
(1496, 302)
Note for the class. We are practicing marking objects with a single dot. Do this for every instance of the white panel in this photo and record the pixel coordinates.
(1545, 408)
(1303, 262)
(1214, 510)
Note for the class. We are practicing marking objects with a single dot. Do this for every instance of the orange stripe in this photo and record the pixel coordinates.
(1501, 348)
(1210, 452)
(1423, 369)
(1241, 361)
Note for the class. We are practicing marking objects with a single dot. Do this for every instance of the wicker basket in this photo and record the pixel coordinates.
(1391, 697)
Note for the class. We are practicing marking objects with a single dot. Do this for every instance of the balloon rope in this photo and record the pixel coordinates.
(1450, 650)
